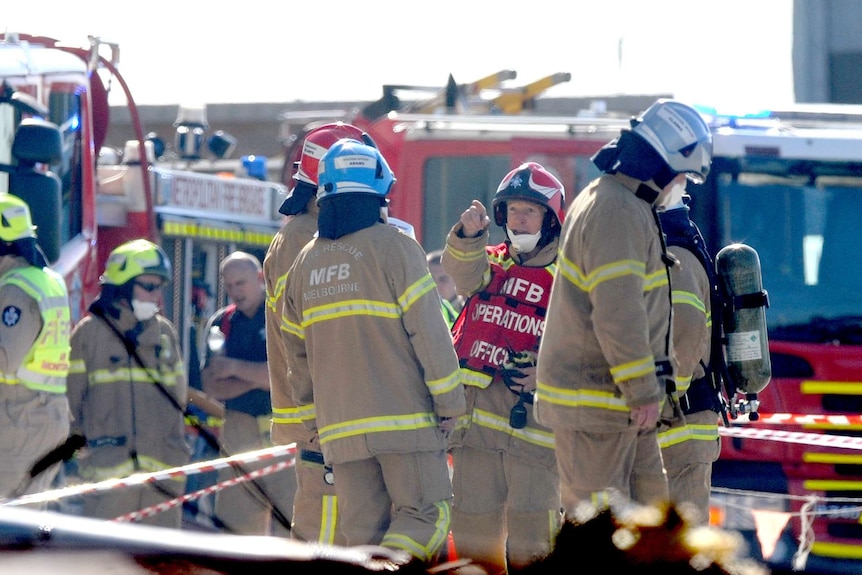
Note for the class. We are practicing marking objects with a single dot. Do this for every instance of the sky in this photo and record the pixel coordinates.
(721, 53)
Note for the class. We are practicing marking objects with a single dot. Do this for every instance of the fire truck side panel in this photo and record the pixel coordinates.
(441, 171)
(59, 81)
(198, 217)
(793, 195)
(434, 185)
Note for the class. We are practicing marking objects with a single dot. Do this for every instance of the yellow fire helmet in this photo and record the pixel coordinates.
(15, 222)
(135, 258)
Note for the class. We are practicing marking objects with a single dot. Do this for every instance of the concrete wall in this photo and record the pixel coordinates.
(827, 51)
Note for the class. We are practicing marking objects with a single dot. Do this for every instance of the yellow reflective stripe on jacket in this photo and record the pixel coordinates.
(414, 292)
(285, 416)
(277, 294)
(377, 424)
(291, 328)
(532, 435)
(445, 384)
(688, 432)
(633, 369)
(588, 283)
(607, 272)
(132, 374)
(470, 256)
(581, 398)
(46, 364)
(292, 415)
(682, 383)
(208, 421)
(681, 297)
(478, 379)
(655, 280)
(349, 308)
(77, 366)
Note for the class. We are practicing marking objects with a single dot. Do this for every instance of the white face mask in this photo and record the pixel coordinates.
(674, 197)
(144, 310)
(524, 243)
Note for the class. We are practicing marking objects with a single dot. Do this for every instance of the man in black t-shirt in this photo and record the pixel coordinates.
(235, 372)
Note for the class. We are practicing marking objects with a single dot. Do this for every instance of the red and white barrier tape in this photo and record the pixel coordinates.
(740, 428)
(165, 505)
(834, 420)
(743, 427)
(153, 477)
(818, 439)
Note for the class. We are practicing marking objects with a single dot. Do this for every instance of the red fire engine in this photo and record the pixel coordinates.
(54, 117)
(787, 183)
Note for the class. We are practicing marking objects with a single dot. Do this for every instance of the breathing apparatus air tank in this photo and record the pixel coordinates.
(744, 318)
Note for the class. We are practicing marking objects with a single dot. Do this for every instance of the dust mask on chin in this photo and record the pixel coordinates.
(524, 243)
(144, 310)
(674, 197)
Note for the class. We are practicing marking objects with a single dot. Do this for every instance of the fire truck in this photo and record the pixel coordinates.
(86, 198)
(787, 183)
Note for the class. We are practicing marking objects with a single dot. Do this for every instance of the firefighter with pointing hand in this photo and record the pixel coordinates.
(507, 502)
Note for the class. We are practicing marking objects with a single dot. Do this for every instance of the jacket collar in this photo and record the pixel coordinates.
(647, 191)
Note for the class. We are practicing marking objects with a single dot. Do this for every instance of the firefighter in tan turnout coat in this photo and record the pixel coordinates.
(128, 388)
(604, 365)
(359, 288)
(507, 497)
(315, 506)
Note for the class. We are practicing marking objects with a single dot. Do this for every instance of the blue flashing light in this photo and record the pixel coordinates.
(255, 166)
(732, 117)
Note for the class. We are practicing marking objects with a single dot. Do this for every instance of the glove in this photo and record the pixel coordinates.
(447, 424)
(520, 359)
(510, 371)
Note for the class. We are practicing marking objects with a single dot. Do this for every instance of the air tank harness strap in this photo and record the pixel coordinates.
(750, 300)
(663, 368)
(700, 396)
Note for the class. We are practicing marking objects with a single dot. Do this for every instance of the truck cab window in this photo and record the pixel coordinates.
(65, 111)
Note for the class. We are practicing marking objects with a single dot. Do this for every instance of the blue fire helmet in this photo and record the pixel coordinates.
(351, 167)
